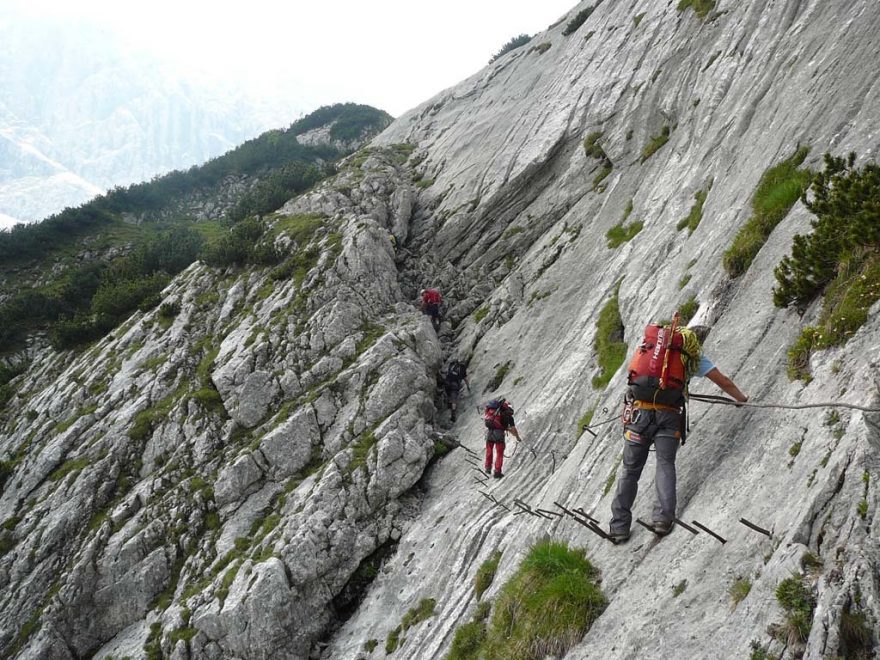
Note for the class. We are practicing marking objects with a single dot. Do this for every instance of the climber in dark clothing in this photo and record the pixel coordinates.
(456, 374)
(498, 417)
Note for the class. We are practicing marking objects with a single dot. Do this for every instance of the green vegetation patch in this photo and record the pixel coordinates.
(612, 477)
(513, 44)
(481, 313)
(739, 590)
(655, 143)
(701, 7)
(300, 228)
(584, 422)
(692, 220)
(779, 188)
(541, 48)
(486, 574)
(608, 344)
(500, 374)
(545, 608)
(579, 19)
(71, 465)
(469, 637)
(360, 450)
(798, 603)
(415, 615)
(687, 310)
(623, 233)
(840, 258)
(679, 588)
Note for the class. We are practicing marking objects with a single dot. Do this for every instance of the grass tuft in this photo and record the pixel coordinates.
(609, 345)
(486, 574)
(546, 607)
(655, 143)
(780, 187)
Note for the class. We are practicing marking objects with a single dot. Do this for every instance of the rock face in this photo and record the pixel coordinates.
(210, 489)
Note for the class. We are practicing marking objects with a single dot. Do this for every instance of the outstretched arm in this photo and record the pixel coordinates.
(514, 432)
(726, 384)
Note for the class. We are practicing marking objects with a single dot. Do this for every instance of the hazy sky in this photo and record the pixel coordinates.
(392, 54)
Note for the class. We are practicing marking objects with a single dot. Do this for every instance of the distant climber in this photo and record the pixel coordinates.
(456, 374)
(498, 417)
(653, 413)
(431, 301)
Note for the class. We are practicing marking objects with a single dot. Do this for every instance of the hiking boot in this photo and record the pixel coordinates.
(498, 474)
(618, 537)
(661, 527)
(488, 470)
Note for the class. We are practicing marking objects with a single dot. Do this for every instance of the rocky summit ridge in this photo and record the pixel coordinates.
(267, 474)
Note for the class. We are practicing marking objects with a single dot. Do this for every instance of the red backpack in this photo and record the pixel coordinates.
(432, 297)
(493, 414)
(657, 369)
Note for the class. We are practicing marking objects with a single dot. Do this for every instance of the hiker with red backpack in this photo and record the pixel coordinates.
(498, 417)
(431, 301)
(653, 413)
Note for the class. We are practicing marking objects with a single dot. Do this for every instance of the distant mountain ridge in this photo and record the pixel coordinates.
(79, 115)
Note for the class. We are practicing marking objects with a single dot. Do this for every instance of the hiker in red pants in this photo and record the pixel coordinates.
(499, 421)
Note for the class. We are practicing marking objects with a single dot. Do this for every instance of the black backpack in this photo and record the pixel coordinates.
(456, 372)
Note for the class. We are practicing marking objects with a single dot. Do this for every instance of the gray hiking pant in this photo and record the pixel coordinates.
(660, 428)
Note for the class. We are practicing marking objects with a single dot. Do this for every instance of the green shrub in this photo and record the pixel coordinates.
(481, 313)
(682, 283)
(608, 344)
(798, 602)
(169, 310)
(638, 19)
(692, 219)
(414, 616)
(513, 44)
(687, 310)
(840, 257)
(546, 607)
(541, 48)
(469, 637)
(500, 374)
(579, 19)
(360, 450)
(799, 354)
(856, 638)
(584, 422)
(486, 574)
(591, 145)
(779, 188)
(701, 7)
(655, 143)
(603, 173)
(678, 589)
(739, 590)
(621, 233)
(392, 641)
(71, 465)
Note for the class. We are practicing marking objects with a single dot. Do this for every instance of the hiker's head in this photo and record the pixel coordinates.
(700, 331)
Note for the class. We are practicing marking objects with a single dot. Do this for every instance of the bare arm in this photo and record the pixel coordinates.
(512, 430)
(726, 384)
